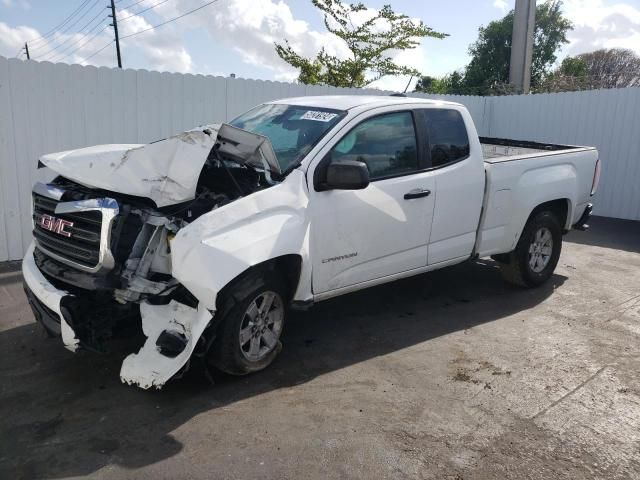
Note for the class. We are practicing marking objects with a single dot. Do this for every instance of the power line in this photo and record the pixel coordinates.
(60, 56)
(80, 18)
(142, 11)
(53, 50)
(170, 20)
(69, 27)
(129, 6)
(96, 52)
(114, 24)
(64, 22)
(211, 2)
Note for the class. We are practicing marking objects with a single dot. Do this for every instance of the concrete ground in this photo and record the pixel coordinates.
(452, 374)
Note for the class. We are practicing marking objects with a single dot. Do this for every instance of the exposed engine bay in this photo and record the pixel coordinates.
(141, 232)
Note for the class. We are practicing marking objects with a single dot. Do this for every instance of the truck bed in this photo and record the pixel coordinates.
(501, 149)
(521, 175)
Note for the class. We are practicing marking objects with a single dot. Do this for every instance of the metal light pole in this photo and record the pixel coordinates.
(522, 45)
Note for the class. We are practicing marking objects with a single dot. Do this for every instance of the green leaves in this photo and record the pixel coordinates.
(370, 43)
(452, 83)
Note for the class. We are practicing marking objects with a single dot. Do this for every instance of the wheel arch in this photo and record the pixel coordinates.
(288, 267)
(561, 207)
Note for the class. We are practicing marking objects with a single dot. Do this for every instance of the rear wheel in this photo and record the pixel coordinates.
(536, 255)
(248, 338)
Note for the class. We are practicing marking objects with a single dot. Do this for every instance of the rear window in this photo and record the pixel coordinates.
(448, 140)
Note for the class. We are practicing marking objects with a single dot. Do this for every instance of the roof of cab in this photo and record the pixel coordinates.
(347, 102)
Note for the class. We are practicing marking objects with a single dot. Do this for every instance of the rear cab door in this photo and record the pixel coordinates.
(456, 166)
(358, 236)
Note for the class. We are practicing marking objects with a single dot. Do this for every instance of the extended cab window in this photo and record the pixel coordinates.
(448, 140)
(386, 144)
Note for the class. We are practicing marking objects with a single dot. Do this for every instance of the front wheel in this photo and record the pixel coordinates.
(248, 338)
(537, 253)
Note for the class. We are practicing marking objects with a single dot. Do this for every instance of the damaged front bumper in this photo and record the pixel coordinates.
(160, 357)
(45, 301)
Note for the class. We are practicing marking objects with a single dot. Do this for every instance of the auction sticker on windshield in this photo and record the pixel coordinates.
(318, 116)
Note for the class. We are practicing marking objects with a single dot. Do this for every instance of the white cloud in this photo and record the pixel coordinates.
(501, 5)
(12, 39)
(24, 4)
(251, 27)
(162, 49)
(599, 25)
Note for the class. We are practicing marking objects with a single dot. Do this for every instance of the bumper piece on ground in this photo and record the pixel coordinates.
(151, 367)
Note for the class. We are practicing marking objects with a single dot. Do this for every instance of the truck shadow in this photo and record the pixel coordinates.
(67, 415)
(609, 233)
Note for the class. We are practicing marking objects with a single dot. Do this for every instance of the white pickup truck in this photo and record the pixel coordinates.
(202, 241)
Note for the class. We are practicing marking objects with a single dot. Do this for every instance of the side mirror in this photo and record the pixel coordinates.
(346, 175)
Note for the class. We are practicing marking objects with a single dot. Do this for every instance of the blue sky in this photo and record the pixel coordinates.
(237, 35)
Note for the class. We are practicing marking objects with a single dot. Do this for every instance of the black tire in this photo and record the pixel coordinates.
(518, 269)
(226, 352)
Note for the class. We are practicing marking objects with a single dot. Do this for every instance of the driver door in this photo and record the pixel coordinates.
(363, 235)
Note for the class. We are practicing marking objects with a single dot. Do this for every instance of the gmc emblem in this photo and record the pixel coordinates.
(55, 225)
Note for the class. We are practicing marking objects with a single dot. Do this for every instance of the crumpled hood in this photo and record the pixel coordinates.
(165, 171)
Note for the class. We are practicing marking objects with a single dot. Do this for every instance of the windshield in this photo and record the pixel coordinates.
(293, 130)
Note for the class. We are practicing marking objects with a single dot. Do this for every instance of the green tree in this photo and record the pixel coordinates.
(491, 53)
(573, 67)
(369, 43)
(427, 84)
(452, 83)
(571, 75)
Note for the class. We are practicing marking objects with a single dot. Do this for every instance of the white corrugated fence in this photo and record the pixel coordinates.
(48, 107)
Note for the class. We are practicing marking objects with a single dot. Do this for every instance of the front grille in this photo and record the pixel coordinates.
(82, 246)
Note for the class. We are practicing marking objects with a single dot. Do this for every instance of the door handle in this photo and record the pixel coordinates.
(417, 193)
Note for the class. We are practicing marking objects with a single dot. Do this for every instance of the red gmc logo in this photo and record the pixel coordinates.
(55, 225)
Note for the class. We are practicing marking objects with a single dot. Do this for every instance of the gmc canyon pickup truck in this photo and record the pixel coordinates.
(202, 241)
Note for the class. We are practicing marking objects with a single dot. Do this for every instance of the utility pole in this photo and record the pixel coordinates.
(522, 45)
(115, 29)
(26, 49)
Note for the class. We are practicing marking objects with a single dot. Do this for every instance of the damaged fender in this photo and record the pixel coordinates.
(212, 251)
(220, 245)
